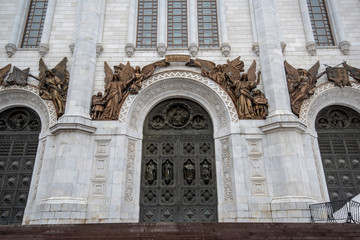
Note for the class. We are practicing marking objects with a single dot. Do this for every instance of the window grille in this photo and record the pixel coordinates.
(320, 23)
(34, 24)
(207, 24)
(177, 24)
(147, 24)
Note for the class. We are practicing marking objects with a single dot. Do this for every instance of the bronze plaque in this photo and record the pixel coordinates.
(177, 58)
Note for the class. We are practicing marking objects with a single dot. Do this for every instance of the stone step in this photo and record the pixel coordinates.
(183, 231)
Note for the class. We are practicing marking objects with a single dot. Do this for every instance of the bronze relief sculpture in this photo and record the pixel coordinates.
(119, 84)
(301, 84)
(3, 72)
(250, 103)
(354, 72)
(53, 84)
(124, 80)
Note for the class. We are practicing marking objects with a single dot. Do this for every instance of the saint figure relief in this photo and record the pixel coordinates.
(301, 84)
(249, 105)
(118, 84)
(53, 84)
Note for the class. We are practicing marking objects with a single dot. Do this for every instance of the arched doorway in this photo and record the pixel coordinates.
(178, 177)
(338, 129)
(19, 137)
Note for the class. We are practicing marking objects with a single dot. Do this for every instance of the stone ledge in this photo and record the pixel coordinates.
(72, 123)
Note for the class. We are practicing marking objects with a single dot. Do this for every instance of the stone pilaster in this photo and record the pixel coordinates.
(310, 41)
(131, 37)
(84, 61)
(224, 41)
(162, 28)
(18, 24)
(44, 43)
(284, 132)
(271, 61)
(344, 45)
(193, 27)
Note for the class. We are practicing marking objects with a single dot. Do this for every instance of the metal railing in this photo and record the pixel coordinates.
(335, 212)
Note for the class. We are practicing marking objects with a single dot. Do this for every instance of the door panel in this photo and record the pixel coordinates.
(178, 182)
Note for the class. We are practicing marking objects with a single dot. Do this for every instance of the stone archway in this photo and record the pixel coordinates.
(178, 177)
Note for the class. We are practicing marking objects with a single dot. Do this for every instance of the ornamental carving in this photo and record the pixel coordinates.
(250, 102)
(177, 116)
(301, 84)
(338, 119)
(53, 84)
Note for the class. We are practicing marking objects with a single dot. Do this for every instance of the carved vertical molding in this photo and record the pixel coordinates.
(100, 167)
(224, 41)
(226, 161)
(310, 41)
(162, 28)
(130, 169)
(193, 27)
(44, 43)
(38, 170)
(257, 174)
(344, 45)
(17, 27)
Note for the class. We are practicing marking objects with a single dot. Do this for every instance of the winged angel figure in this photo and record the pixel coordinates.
(118, 84)
(3, 72)
(54, 83)
(301, 84)
(250, 104)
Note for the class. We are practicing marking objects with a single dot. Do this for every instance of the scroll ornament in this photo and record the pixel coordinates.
(301, 84)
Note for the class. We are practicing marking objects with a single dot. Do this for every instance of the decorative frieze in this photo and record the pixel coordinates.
(100, 167)
(227, 169)
(130, 170)
(257, 167)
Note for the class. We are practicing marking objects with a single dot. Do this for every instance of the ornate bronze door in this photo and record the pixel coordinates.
(178, 181)
(338, 130)
(19, 137)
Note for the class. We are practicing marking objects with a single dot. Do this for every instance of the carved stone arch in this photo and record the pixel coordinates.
(194, 87)
(27, 96)
(325, 95)
(178, 84)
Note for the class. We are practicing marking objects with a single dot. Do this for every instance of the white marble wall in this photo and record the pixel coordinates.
(89, 171)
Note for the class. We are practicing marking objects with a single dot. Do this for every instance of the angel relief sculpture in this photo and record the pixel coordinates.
(250, 103)
(53, 84)
(119, 84)
(301, 84)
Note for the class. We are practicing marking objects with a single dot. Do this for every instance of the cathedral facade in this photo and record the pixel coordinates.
(178, 110)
